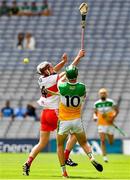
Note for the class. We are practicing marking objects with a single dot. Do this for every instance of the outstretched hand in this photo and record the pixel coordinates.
(64, 58)
(81, 53)
(60, 65)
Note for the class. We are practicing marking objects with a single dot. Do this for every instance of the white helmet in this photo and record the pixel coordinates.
(42, 65)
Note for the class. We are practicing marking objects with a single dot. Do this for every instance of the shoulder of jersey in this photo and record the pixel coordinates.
(42, 78)
(62, 84)
(82, 85)
(111, 100)
(108, 99)
(98, 101)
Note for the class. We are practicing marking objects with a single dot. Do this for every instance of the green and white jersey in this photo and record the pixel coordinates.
(104, 110)
(71, 99)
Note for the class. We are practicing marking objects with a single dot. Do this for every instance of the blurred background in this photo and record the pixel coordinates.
(44, 30)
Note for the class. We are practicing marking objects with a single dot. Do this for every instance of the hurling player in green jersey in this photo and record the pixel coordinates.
(105, 112)
(72, 95)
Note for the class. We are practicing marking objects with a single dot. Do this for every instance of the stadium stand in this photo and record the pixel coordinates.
(107, 63)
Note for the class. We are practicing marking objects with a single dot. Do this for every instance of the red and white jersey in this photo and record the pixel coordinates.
(50, 83)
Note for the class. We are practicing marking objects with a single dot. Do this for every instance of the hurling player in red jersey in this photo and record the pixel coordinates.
(49, 115)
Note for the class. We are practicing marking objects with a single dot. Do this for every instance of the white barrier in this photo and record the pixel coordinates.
(126, 147)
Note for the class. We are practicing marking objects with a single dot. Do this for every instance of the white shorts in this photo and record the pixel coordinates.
(71, 126)
(106, 129)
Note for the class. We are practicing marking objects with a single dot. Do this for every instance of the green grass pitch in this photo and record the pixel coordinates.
(46, 166)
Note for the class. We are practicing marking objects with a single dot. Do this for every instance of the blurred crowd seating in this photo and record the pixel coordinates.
(107, 61)
(24, 8)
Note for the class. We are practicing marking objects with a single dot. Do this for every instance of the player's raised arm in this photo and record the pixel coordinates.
(75, 62)
(80, 54)
(61, 64)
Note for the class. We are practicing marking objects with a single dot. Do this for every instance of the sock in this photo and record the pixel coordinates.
(66, 153)
(90, 155)
(30, 160)
(105, 158)
(63, 168)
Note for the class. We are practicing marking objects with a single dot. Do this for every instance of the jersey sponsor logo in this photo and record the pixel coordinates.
(104, 104)
(72, 87)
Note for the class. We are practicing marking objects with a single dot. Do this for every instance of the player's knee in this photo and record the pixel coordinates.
(42, 144)
(59, 143)
(111, 140)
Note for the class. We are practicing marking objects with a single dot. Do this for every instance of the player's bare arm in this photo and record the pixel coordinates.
(80, 54)
(61, 64)
(52, 92)
(116, 112)
(75, 62)
(45, 91)
(116, 108)
(95, 115)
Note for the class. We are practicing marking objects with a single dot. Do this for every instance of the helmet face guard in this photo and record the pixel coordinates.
(44, 68)
(71, 72)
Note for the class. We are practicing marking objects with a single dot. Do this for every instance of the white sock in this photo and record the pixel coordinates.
(105, 158)
(63, 168)
(90, 155)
